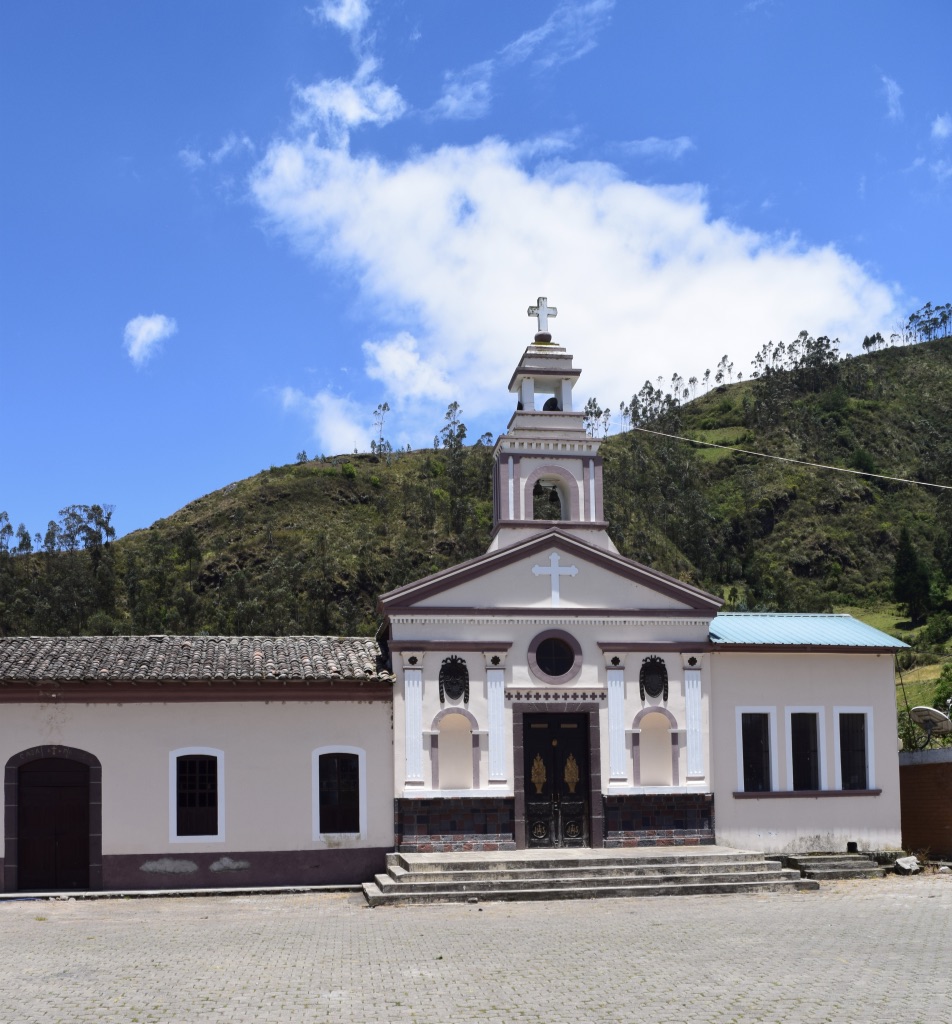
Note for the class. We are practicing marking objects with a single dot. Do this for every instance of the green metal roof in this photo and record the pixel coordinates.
(779, 628)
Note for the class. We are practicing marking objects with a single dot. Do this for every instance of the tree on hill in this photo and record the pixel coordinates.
(911, 579)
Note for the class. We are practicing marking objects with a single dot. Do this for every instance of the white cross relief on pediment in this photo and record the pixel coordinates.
(555, 572)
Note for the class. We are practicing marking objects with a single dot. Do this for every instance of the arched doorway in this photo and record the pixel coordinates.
(53, 835)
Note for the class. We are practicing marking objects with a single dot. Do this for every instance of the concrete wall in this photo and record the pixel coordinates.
(783, 821)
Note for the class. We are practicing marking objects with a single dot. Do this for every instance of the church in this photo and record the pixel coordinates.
(548, 693)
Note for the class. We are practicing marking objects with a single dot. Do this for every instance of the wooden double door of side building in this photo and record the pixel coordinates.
(53, 824)
(556, 748)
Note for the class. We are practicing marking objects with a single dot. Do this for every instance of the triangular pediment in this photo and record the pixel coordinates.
(550, 570)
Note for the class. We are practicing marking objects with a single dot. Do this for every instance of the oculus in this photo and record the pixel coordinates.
(454, 680)
(554, 657)
(653, 678)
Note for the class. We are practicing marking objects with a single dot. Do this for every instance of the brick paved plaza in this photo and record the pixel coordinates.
(871, 951)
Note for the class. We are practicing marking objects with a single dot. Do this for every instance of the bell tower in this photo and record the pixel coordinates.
(547, 471)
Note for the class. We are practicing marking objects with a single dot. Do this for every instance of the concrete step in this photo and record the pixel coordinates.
(582, 874)
(492, 883)
(375, 897)
(563, 859)
(581, 871)
(830, 866)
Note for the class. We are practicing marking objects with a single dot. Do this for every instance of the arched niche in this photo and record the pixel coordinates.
(454, 750)
(655, 748)
(549, 478)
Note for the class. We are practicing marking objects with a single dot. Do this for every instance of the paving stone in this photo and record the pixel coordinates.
(865, 951)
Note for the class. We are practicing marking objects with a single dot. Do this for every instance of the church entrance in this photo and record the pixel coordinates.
(53, 824)
(557, 782)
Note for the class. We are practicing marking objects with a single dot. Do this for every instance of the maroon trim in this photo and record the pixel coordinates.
(11, 801)
(555, 634)
(174, 691)
(566, 456)
(596, 805)
(444, 580)
(553, 612)
(812, 794)
(449, 645)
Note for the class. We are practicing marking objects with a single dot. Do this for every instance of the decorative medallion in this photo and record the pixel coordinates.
(572, 830)
(539, 830)
(454, 680)
(571, 773)
(653, 678)
(538, 774)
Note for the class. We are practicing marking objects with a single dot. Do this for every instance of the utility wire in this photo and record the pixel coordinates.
(798, 462)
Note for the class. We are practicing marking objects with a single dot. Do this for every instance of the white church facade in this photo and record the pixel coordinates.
(548, 693)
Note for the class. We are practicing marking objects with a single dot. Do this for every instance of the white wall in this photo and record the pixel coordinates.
(267, 751)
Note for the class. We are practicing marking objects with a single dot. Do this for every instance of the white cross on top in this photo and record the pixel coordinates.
(542, 310)
(554, 570)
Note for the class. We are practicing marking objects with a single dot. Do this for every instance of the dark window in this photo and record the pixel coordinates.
(755, 736)
(806, 761)
(853, 750)
(197, 788)
(339, 785)
(554, 657)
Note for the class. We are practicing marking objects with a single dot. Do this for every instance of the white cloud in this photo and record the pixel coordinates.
(942, 127)
(893, 93)
(655, 148)
(466, 94)
(398, 364)
(336, 105)
(452, 245)
(230, 145)
(348, 15)
(567, 34)
(144, 334)
(337, 422)
(192, 159)
(942, 169)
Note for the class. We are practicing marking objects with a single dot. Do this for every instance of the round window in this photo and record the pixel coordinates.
(554, 657)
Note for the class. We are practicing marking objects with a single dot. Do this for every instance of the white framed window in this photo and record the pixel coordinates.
(757, 766)
(806, 748)
(339, 793)
(853, 748)
(196, 795)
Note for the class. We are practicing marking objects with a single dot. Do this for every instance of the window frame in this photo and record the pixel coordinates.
(867, 713)
(174, 755)
(335, 837)
(772, 758)
(820, 712)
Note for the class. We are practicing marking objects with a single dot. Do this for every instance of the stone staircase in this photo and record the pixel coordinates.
(577, 874)
(826, 867)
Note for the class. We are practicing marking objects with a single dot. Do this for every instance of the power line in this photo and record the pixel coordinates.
(797, 462)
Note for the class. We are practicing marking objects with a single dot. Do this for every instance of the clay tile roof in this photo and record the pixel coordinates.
(198, 658)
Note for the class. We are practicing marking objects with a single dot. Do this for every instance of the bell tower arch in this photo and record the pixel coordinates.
(546, 470)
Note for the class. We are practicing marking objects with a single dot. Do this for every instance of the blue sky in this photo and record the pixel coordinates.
(231, 229)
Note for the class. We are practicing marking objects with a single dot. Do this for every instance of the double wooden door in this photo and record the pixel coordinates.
(53, 824)
(556, 779)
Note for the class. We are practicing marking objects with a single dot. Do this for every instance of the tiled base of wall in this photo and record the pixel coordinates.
(455, 824)
(678, 819)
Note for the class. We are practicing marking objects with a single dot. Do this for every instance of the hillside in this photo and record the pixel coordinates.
(308, 547)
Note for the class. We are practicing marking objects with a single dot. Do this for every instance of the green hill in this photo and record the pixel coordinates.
(308, 547)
